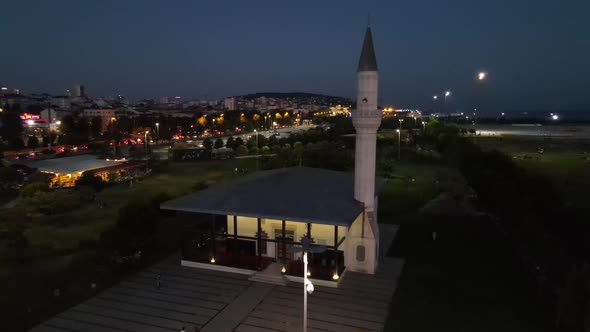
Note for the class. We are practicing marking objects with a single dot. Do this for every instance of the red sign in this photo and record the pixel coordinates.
(27, 116)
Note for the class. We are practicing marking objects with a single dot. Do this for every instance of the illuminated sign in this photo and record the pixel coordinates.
(27, 116)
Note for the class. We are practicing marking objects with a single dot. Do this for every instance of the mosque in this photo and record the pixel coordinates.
(255, 220)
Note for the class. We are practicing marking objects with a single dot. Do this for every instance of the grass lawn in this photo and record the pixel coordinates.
(412, 186)
(466, 280)
(565, 162)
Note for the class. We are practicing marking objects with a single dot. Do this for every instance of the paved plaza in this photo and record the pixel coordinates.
(221, 301)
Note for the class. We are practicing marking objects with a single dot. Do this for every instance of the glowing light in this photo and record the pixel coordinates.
(555, 117)
(481, 75)
(58, 122)
(309, 287)
(212, 260)
(30, 122)
(448, 93)
(308, 273)
(435, 97)
(283, 269)
(335, 276)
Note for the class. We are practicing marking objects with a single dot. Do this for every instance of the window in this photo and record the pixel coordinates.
(360, 253)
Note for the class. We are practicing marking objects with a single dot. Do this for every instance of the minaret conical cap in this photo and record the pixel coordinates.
(368, 61)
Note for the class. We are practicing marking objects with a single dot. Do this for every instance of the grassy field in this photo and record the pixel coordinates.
(565, 162)
(412, 186)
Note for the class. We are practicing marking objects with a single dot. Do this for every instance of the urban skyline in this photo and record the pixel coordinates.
(217, 51)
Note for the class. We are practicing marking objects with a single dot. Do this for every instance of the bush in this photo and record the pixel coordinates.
(89, 179)
(33, 188)
(242, 150)
(265, 149)
(254, 150)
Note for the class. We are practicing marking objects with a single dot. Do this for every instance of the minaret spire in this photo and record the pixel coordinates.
(368, 60)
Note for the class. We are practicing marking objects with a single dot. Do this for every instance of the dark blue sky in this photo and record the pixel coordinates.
(537, 52)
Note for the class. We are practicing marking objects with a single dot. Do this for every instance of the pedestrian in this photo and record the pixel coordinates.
(158, 281)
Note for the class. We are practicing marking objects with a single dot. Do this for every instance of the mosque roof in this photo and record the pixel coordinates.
(297, 194)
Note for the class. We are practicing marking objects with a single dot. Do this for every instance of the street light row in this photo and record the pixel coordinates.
(480, 77)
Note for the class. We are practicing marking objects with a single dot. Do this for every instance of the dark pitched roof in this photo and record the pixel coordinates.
(368, 61)
(298, 194)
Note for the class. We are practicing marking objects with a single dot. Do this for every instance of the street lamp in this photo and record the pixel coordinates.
(256, 131)
(399, 143)
(447, 93)
(158, 129)
(481, 75)
(306, 247)
(145, 142)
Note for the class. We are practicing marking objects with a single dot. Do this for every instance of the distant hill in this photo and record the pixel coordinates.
(301, 97)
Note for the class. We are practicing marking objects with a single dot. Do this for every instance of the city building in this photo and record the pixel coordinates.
(230, 104)
(256, 220)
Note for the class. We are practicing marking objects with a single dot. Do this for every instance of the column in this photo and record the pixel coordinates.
(284, 244)
(336, 248)
(259, 242)
(212, 233)
(235, 247)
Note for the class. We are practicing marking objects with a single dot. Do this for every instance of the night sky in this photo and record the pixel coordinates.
(537, 52)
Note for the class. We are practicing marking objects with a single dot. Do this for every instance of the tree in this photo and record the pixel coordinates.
(89, 179)
(218, 143)
(32, 188)
(251, 143)
(11, 127)
(207, 143)
(298, 152)
(230, 142)
(9, 177)
(262, 141)
(238, 142)
(273, 140)
(16, 143)
(242, 150)
(32, 142)
(96, 126)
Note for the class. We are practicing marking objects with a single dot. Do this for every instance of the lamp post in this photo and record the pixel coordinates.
(157, 130)
(256, 131)
(306, 247)
(145, 142)
(447, 93)
(399, 143)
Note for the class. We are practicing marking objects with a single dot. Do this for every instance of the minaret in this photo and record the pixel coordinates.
(362, 240)
(366, 119)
